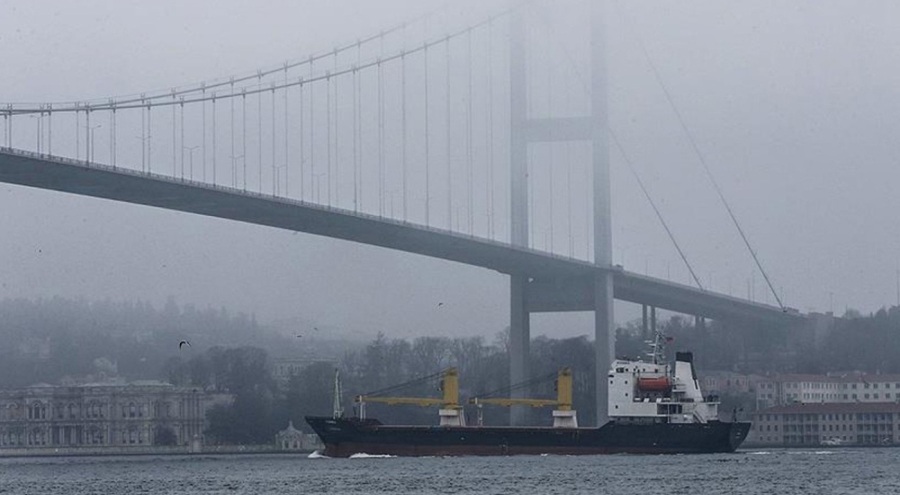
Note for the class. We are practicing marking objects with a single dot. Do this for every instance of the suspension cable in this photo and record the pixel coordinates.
(202, 86)
(260, 88)
(287, 151)
(244, 140)
(302, 147)
(701, 157)
(427, 147)
(403, 131)
(470, 166)
(580, 77)
(653, 205)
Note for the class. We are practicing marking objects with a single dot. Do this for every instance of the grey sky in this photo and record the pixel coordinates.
(794, 107)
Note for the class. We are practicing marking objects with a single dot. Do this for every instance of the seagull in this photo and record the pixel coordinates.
(183, 343)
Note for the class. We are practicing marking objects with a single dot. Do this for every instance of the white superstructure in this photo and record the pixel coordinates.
(656, 392)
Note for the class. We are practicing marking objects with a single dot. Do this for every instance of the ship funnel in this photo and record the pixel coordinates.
(684, 357)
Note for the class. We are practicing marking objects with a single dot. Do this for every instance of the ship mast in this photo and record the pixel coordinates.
(658, 347)
(338, 392)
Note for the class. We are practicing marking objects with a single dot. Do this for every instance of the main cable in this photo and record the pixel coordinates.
(701, 158)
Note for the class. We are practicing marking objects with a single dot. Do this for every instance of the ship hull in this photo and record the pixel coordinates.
(347, 436)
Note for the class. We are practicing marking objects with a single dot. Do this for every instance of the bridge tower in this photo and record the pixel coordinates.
(527, 294)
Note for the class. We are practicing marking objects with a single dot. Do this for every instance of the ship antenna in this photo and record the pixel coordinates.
(338, 392)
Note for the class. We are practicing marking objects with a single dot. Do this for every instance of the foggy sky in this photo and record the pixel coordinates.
(794, 107)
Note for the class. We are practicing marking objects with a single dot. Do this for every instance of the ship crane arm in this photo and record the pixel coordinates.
(563, 401)
(407, 401)
(449, 401)
(509, 402)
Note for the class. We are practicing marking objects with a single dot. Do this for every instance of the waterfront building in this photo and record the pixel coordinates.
(292, 439)
(841, 388)
(284, 368)
(804, 424)
(729, 382)
(108, 414)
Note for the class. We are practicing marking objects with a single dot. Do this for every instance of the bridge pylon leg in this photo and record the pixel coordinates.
(645, 323)
(519, 345)
(604, 340)
(604, 326)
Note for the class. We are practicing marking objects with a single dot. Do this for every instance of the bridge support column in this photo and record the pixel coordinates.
(645, 329)
(519, 344)
(604, 340)
(519, 331)
(604, 326)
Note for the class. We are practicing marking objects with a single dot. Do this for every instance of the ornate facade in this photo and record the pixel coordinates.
(101, 414)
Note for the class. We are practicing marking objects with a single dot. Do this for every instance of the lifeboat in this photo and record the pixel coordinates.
(656, 384)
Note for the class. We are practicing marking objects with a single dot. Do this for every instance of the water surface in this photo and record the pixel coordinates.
(835, 471)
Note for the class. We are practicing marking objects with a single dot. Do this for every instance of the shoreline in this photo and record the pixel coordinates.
(148, 451)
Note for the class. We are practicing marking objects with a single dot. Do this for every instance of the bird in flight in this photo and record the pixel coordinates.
(183, 343)
(298, 336)
(440, 304)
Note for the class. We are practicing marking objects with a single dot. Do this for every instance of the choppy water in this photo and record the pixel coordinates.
(839, 471)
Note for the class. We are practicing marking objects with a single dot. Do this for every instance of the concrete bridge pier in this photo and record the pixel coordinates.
(519, 343)
(569, 294)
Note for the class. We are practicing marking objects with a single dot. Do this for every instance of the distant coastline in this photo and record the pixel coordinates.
(145, 450)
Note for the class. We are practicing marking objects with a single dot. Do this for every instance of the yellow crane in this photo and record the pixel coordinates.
(450, 410)
(563, 415)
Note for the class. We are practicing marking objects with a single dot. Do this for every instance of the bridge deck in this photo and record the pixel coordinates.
(101, 181)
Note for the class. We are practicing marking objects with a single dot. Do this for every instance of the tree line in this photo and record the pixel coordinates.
(48, 340)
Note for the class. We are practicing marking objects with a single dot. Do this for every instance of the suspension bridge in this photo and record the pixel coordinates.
(430, 147)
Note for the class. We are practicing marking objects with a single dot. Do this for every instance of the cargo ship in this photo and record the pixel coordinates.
(654, 408)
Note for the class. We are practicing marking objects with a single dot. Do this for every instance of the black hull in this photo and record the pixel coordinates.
(347, 436)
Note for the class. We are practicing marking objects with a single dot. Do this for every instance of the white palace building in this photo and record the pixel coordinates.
(97, 415)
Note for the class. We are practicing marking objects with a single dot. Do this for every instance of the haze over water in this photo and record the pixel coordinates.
(838, 471)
